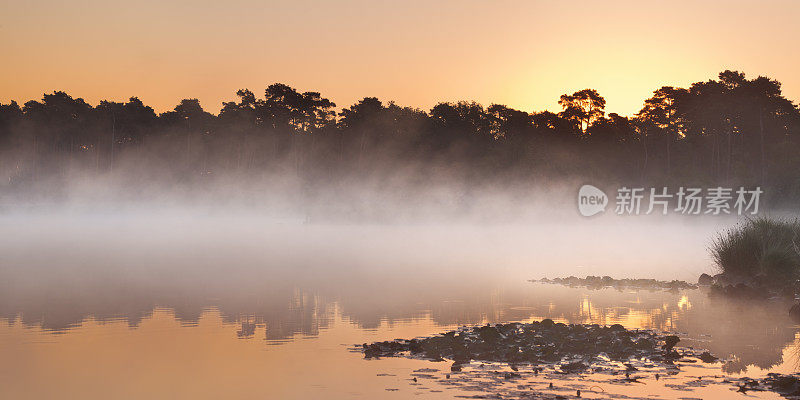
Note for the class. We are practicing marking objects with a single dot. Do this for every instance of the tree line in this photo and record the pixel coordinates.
(726, 130)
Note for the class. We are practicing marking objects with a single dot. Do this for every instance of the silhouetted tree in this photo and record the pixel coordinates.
(583, 107)
(661, 119)
(731, 130)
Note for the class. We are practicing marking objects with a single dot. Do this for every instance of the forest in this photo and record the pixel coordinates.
(726, 131)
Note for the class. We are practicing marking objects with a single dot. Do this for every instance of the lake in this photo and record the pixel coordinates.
(170, 305)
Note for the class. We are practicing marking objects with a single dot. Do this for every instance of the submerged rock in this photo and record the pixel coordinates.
(787, 385)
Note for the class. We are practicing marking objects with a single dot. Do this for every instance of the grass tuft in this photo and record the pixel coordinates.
(760, 248)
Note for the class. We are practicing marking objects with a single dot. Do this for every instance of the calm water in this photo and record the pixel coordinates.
(98, 309)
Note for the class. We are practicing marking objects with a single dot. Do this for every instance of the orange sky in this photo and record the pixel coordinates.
(524, 54)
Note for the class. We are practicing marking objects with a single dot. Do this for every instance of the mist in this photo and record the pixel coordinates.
(69, 262)
(114, 210)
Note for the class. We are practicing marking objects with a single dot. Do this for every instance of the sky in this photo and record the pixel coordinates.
(523, 54)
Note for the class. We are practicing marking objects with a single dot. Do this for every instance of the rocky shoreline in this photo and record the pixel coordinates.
(518, 352)
(533, 343)
(749, 288)
(597, 282)
(718, 285)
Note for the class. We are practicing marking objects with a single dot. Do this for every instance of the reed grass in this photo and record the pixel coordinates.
(763, 248)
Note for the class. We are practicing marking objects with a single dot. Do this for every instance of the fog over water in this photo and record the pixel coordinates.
(159, 254)
(524, 241)
(266, 296)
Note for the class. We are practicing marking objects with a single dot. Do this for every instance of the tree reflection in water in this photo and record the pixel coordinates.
(743, 333)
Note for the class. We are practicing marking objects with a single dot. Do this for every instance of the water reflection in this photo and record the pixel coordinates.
(279, 310)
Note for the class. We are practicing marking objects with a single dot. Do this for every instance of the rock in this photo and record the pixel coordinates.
(574, 367)
(742, 389)
(706, 357)
(617, 328)
(645, 344)
(537, 344)
(670, 342)
(511, 375)
(489, 333)
(786, 384)
(705, 280)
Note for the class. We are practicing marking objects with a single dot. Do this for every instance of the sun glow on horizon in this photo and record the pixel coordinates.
(416, 54)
